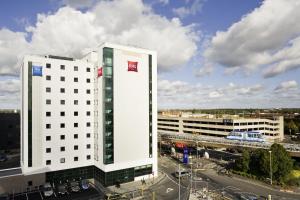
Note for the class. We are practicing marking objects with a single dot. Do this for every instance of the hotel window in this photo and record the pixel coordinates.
(48, 89)
(48, 138)
(88, 157)
(88, 135)
(88, 124)
(75, 136)
(62, 160)
(62, 78)
(62, 90)
(75, 125)
(62, 148)
(88, 113)
(75, 79)
(75, 91)
(48, 101)
(88, 91)
(62, 67)
(62, 102)
(62, 125)
(75, 102)
(75, 113)
(62, 114)
(48, 162)
(88, 80)
(48, 114)
(48, 78)
(88, 146)
(75, 147)
(48, 65)
(48, 150)
(48, 126)
(75, 68)
(88, 69)
(75, 158)
(62, 137)
(88, 102)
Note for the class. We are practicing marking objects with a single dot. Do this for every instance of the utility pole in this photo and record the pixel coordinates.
(179, 173)
(197, 156)
(191, 163)
(270, 166)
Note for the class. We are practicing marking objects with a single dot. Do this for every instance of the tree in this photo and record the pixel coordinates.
(292, 126)
(242, 164)
(282, 163)
(258, 162)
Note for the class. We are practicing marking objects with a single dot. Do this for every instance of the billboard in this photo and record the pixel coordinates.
(132, 66)
(185, 155)
(37, 70)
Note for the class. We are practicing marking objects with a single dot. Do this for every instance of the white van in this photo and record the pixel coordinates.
(182, 173)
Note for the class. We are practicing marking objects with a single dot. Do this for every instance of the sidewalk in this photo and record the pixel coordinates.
(137, 185)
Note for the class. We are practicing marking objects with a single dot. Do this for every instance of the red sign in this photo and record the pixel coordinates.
(132, 66)
(99, 71)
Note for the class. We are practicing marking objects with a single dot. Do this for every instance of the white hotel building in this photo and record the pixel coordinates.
(91, 118)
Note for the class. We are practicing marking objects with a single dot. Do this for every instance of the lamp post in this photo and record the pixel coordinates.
(270, 166)
(191, 163)
(179, 173)
(197, 156)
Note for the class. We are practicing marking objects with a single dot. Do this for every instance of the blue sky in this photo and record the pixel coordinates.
(211, 53)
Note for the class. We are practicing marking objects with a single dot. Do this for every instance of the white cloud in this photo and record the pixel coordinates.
(164, 2)
(268, 36)
(9, 93)
(192, 10)
(205, 70)
(71, 32)
(179, 94)
(286, 86)
(13, 45)
(78, 3)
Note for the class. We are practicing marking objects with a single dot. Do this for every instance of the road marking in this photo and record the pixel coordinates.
(175, 181)
(232, 188)
(169, 190)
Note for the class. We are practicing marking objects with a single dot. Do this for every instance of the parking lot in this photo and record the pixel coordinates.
(90, 193)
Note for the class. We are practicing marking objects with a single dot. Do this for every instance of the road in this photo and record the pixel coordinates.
(168, 188)
(231, 187)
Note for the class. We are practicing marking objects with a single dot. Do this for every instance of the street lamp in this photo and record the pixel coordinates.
(191, 163)
(270, 166)
(179, 173)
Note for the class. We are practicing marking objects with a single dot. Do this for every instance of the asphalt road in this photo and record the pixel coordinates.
(231, 187)
(169, 187)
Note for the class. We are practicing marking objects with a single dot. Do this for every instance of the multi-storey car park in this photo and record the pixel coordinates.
(210, 125)
(90, 118)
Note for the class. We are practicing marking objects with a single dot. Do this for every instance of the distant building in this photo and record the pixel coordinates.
(90, 118)
(221, 126)
(9, 130)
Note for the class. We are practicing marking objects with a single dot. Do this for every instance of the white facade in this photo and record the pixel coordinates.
(209, 125)
(131, 144)
(55, 138)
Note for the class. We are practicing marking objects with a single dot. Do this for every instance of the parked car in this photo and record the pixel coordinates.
(3, 157)
(85, 184)
(62, 189)
(47, 190)
(74, 186)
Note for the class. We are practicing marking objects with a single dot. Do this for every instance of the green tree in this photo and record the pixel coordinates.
(242, 164)
(258, 162)
(282, 163)
(292, 126)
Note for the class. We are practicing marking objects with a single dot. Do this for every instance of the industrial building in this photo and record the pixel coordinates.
(211, 125)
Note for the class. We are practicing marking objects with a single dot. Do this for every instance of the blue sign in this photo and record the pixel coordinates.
(37, 71)
(185, 156)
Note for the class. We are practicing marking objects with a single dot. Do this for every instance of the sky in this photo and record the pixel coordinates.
(211, 53)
